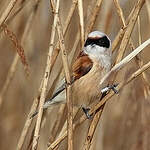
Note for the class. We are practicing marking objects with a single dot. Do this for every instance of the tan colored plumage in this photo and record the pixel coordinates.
(87, 88)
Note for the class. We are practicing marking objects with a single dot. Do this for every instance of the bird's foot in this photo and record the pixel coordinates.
(34, 114)
(105, 90)
(86, 111)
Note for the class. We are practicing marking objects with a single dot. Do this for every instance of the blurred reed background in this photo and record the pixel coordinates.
(25, 35)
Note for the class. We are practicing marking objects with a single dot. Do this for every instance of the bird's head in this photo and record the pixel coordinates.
(97, 44)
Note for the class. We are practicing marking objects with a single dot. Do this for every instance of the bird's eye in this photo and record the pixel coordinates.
(104, 42)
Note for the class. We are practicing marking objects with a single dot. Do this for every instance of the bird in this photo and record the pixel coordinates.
(90, 66)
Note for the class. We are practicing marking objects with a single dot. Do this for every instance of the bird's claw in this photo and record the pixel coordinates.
(105, 90)
(86, 111)
(34, 114)
(113, 87)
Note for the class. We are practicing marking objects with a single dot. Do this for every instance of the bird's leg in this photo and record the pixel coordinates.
(105, 90)
(34, 114)
(86, 111)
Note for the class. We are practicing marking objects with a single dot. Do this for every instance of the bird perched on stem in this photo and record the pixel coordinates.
(93, 62)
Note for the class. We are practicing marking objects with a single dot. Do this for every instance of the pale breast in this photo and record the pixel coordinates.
(87, 88)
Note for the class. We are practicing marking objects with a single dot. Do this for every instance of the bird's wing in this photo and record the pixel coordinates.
(81, 67)
(58, 96)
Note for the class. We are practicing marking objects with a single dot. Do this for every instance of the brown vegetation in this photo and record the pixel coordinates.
(33, 32)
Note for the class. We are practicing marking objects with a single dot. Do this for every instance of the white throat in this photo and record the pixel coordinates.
(99, 54)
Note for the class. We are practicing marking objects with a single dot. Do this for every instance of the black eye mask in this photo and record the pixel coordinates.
(103, 42)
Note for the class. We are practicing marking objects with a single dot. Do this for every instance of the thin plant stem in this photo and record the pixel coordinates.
(7, 11)
(129, 30)
(80, 8)
(45, 80)
(68, 89)
(138, 60)
(35, 101)
(92, 129)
